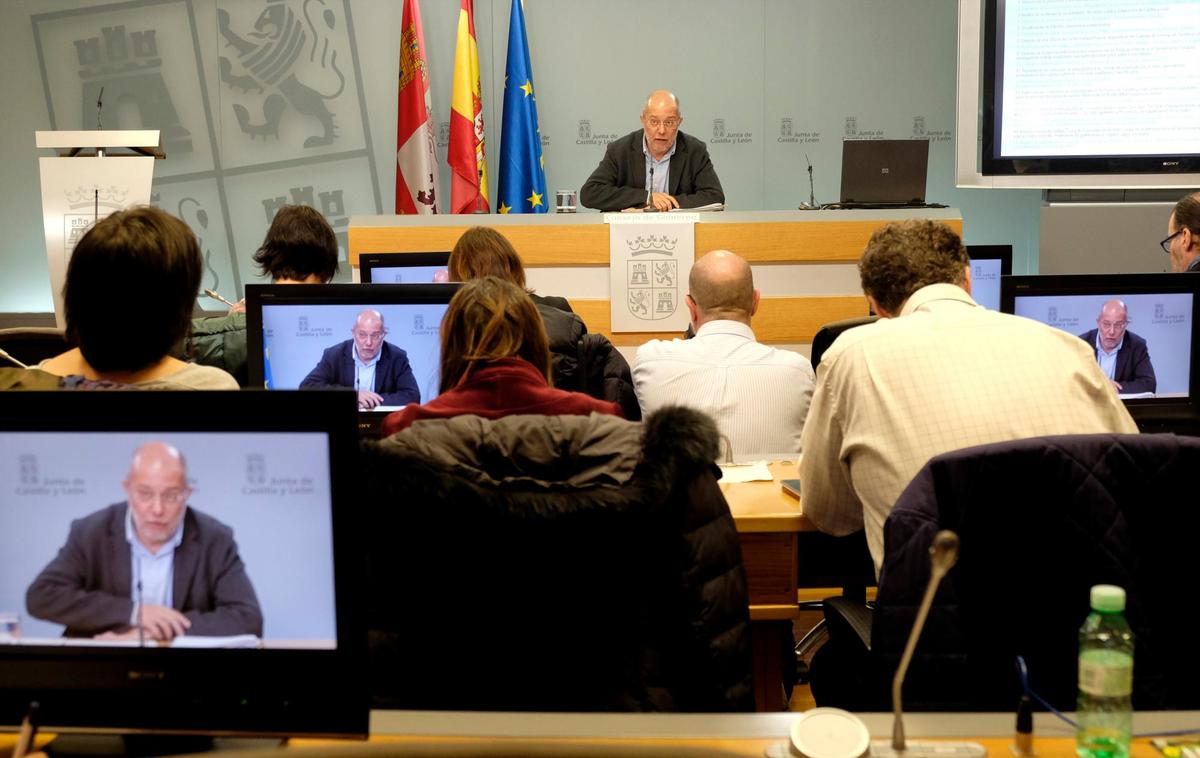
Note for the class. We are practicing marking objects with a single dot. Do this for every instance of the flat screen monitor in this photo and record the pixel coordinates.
(1089, 93)
(129, 517)
(1155, 331)
(404, 268)
(988, 264)
(307, 338)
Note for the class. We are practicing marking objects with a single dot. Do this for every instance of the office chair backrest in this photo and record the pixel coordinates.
(1041, 521)
(830, 332)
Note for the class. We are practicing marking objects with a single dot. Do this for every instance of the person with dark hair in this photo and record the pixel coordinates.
(495, 361)
(300, 248)
(378, 370)
(1183, 235)
(936, 373)
(582, 362)
(757, 394)
(150, 252)
(674, 166)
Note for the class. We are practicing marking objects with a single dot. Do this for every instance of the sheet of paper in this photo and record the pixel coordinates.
(746, 472)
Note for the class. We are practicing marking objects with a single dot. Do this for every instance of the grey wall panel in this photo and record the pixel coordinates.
(1090, 238)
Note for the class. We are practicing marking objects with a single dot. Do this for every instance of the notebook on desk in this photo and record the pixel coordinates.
(884, 173)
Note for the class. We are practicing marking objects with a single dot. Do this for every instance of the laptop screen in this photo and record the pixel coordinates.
(886, 171)
(404, 268)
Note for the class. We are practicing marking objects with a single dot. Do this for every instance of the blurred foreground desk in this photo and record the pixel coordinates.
(769, 523)
(653, 735)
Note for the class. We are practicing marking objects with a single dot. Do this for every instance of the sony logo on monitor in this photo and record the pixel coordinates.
(137, 676)
(1170, 164)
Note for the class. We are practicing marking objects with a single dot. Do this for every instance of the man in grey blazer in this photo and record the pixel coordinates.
(674, 165)
(150, 567)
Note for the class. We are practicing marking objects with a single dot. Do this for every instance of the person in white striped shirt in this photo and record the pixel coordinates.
(757, 394)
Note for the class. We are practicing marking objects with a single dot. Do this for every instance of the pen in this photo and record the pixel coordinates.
(217, 296)
(28, 732)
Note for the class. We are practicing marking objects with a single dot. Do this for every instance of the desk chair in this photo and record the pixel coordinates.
(504, 577)
(830, 332)
(32, 344)
(1040, 521)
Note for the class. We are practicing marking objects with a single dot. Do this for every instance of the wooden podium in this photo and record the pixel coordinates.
(93, 174)
(811, 257)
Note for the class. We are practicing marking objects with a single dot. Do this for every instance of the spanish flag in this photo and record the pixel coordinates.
(468, 166)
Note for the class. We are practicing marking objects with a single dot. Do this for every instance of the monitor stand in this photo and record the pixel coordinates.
(139, 745)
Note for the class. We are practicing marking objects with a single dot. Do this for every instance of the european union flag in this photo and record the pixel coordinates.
(522, 174)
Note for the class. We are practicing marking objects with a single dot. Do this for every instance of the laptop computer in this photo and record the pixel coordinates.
(885, 172)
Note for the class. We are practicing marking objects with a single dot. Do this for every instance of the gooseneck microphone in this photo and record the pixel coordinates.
(943, 555)
(650, 189)
(141, 605)
(812, 193)
(99, 107)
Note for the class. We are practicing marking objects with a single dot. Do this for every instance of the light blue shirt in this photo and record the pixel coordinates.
(662, 168)
(156, 571)
(364, 373)
(1108, 361)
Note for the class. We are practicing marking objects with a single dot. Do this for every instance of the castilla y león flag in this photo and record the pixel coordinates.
(468, 167)
(417, 188)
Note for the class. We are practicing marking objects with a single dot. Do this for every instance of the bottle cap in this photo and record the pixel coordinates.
(1108, 598)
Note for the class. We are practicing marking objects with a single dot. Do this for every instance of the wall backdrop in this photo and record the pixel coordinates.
(252, 119)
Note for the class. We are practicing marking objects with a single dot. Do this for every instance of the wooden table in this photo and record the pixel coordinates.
(769, 523)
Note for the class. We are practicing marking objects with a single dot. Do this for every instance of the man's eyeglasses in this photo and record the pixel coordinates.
(669, 123)
(1166, 243)
(370, 336)
(1111, 325)
(173, 496)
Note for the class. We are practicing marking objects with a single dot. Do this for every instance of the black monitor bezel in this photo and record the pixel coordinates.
(368, 262)
(1148, 412)
(266, 692)
(1003, 253)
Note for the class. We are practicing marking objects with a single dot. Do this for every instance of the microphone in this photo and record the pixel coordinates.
(4, 354)
(943, 555)
(650, 190)
(811, 205)
(99, 106)
(141, 629)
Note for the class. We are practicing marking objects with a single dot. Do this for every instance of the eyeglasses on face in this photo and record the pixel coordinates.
(669, 123)
(173, 496)
(1110, 325)
(1166, 243)
(370, 336)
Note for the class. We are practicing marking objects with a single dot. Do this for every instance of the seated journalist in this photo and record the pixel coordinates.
(378, 370)
(1182, 243)
(674, 165)
(936, 373)
(151, 253)
(300, 248)
(151, 567)
(1122, 355)
(495, 361)
(580, 361)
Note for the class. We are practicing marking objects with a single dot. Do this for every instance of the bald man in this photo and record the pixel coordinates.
(757, 394)
(675, 166)
(151, 562)
(1123, 356)
(378, 370)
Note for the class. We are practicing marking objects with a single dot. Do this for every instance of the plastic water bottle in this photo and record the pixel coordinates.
(1105, 677)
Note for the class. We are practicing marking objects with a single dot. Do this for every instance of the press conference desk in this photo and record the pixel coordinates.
(769, 523)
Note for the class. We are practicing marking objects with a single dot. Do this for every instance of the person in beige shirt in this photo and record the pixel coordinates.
(936, 373)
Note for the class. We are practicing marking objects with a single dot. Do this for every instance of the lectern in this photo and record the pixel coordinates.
(93, 174)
